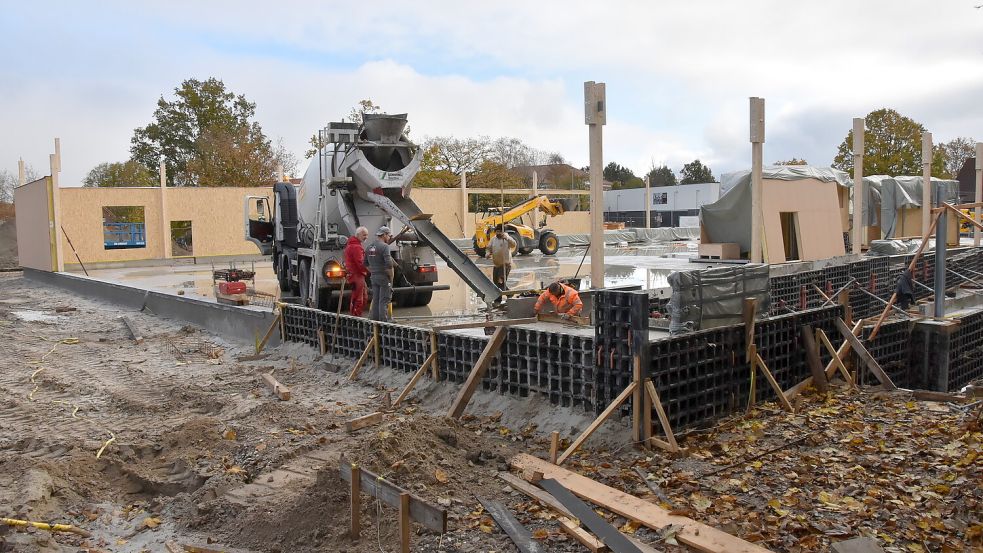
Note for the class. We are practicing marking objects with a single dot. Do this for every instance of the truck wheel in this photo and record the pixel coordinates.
(549, 243)
(283, 273)
(479, 251)
(304, 280)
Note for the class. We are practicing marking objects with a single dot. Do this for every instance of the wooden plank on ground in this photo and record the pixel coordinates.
(692, 533)
(925, 395)
(362, 422)
(132, 329)
(583, 537)
(519, 534)
(478, 372)
(280, 390)
(482, 324)
(388, 493)
(812, 358)
(865, 355)
(608, 534)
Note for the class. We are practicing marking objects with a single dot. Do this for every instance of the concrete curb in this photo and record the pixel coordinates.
(235, 323)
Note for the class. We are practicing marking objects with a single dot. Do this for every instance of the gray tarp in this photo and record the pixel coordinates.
(715, 297)
(898, 192)
(872, 199)
(729, 218)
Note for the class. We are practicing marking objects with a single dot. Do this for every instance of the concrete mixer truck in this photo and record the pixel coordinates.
(362, 176)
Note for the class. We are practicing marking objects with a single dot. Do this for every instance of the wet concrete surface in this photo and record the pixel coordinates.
(647, 266)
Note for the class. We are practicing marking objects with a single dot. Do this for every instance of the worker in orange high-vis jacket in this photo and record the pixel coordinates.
(565, 299)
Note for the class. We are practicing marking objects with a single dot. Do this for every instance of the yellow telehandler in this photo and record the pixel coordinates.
(527, 238)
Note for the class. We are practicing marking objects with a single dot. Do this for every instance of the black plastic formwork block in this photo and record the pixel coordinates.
(404, 348)
(891, 348)
(966, 352)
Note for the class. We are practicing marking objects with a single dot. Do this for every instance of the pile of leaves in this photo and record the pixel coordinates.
(905, 473)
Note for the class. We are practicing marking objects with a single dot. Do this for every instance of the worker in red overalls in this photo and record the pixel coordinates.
(356, 271)
(565, 299)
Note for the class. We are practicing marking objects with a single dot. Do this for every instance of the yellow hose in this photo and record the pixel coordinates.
(46, 526)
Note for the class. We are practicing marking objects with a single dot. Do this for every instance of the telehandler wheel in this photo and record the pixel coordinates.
(549, 243)
(525, 251)
(515, 236)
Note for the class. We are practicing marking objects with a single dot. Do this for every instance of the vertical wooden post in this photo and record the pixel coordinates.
(858, 184)
(375, 347)
(464, 204)
(356, 501)
(595, 116)
(640, 404)
(648, 202)
(22, 173)
(404, 523)
(554, 445)
(977, 233)
(435, 371)
(757, 140)
(927, 182)
(165, 225)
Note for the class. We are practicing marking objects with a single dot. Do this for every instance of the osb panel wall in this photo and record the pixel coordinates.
(81, 216)
(216, 217)
(445, 205)
(817, 204)
(909, 224)
(33, 228)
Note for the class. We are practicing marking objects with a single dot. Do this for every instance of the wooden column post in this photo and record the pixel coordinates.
(927, 181)
(859, 236)
(464, 204)
(58, 263)
(977, 233)
(595, 116)
(165, 225)
(404, 523)
(356, 501)
(535, 192)
(757, 141)
(22, 173)
(641, 402)
(375, 344)
(648, 202)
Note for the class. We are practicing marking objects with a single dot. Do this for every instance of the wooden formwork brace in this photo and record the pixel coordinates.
(416, 377)
(361, 360)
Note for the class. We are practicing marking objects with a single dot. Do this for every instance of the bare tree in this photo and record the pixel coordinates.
(8, 181)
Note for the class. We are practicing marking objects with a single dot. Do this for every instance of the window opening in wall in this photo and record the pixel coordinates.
(123, 226)
(790, 234)
(181, 239)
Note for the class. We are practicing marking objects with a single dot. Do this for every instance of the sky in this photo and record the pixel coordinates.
(678, 74)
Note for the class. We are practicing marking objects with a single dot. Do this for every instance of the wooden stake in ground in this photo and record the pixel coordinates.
(554, 445)
(404, 522)
(132, 329)
(280, 390)
(356, 501)
(812, 358)
(478, 372)
(653, 396)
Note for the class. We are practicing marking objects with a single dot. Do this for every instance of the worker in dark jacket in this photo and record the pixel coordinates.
(356, 271)
(381, 266)
(905, 290)
(565, 300)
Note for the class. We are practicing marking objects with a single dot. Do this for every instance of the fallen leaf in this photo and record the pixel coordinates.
(441, 476)
(540, 534)
(229, 434)
(630, 527)
(151, 522)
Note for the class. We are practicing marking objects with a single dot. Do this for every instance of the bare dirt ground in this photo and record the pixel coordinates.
(177, 439)
(8, 243)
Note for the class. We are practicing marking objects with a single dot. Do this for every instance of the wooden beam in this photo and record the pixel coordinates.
(485, 324)
(355, 504)
(571, 319)
(750, 311)
(132, 329)
(554, 445)
(597, 422)
(824, 340)
(361, 360)
(435, 369)
(478, 372)
(321, 342)
(280, 390)
(519, 534)
(412, 383)
(361, 422)
(812, 358)
(388, 493)
(842, 350)
(277, 321)
(608, 534)
(971, 220)
(404, 522)
(581, 536)
(653, 396)
(376, 345)
(865, 355)
(774, 385)
(691, 533)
